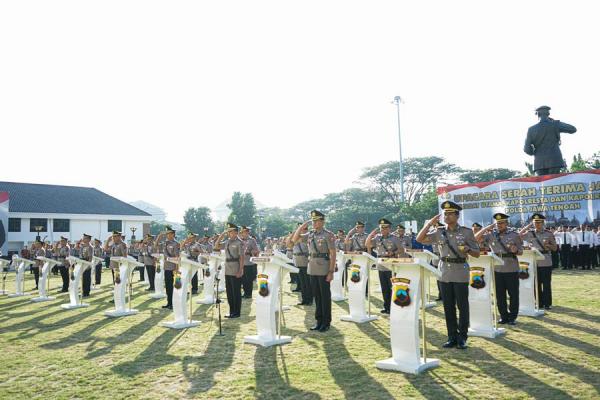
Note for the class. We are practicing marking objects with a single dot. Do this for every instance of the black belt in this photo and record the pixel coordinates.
(232, 259)
(508, 255)
(454, 260)
(320, 255)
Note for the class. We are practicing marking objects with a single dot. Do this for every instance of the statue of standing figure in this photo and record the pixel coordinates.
(543, 143)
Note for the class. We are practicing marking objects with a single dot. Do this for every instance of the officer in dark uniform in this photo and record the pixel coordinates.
(300, 253)
(543, 240)
(63, 251)
(171, 250)
(543, 142)
(86, 251)
(98, 252)
(455, 244)
(234, 268)
(37, 251)
(321, 266)
(252, 250)
(506, 244)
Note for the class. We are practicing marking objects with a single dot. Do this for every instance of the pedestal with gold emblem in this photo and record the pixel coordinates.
(358, 277)
(482, 298)
(528, 283)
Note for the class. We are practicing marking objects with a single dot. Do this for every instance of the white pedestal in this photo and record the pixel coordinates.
(404, 320)
(95, 261)
(210, 274)
(44, 276)
(427, 257)
(182, 320)
(74, 285)
(360, 266)
(221, 287)
(481, 304)
(159, 278)
(269, 305)
(126, 266)
(21, 265)
(337, 289)
(528, 287)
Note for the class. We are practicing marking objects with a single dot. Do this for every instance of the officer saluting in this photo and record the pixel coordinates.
(455, 244)
(543, 240)
(321, 265)
(251, 250)
(171, 249)
(405, 239)
(506, 244)
(300, 253)
(86, 251)
(234, 268)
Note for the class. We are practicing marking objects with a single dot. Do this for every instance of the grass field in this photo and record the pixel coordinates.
(50, 353)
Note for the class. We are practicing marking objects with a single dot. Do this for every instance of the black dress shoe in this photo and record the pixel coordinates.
(324, 328)
(168, 306)
(194, 292)
(247, 297)
(450, 343)
(301, 303)
(512, 322)
(548, 308)
(229, 316)
(315, 327)
(297, 290)
(503, 321)
(462, 344)
(384, 311)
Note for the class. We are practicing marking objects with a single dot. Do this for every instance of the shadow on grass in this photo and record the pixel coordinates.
(350, 376)
(577, 314)
(572, 326)
(270, 381)
(533, 327)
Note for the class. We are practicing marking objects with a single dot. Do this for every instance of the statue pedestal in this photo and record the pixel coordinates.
(159, 277)
(211, 272)
(528, 286)
(269, 301)
(427, 258)
(122, 307)
(4, 269)
(78, 266)
(187, 268)
(404, 319)
(482, 304)
(21, 265)
(44, 283)
(358, 277)
(337, 289)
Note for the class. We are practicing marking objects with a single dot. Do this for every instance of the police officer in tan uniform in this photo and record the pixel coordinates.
(115, 247)
(543, 240)
(300, 254)
(192, 248)
(251, 250)
(321, 266)
(455, 243)
(86, 251)
(98, 252)
(63, 251)
(234, 267)
(38, 251)
(506, 244)
(405, 239)
(146, 252)
(386, 246)
(172, 249)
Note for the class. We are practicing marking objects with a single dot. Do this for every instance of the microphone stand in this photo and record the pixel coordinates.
(218, 300)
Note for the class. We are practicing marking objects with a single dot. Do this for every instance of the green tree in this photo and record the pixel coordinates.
(156, 228)
(486, 175)
(594, 161)
(578, 164)
(196, 219)
(243, 209)
(421, 175)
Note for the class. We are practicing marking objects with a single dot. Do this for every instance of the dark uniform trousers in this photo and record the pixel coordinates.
(565, 256)
(248, 279)
(544, 283)
(507, 282)
(151, 269)
(456, 294)
(585, 258)
(385, 281)
(86, 283)
(98, 273)
(305, 288)
(195, 283)
(555, 258)
(322, 294)
(36, 275)
(233, 286)
(141, 269)
(169, 286)
(64, 274)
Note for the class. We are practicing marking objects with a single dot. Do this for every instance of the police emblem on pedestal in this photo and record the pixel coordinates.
(355, 273)
(477, 280)
(523, 270)
(400, 291)
(177, 282)
(263, 284)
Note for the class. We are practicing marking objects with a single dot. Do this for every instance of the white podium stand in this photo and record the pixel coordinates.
(482, 302)
(187, 269)
(210, 273)
(75, 274)
(21, 264)
(159, 277)
(358, 277)
(123, 272)
(4, 269)
(528, 287)
(404, 320)
(44, 283)
(337, 289)
(269, 301)
(95, 261)
(427, 256)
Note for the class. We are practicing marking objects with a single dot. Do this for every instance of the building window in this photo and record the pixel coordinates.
(14, 224)
(115, 225)
(33, 222)
(61, 225)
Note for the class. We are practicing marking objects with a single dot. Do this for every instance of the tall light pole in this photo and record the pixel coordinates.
(397, 100)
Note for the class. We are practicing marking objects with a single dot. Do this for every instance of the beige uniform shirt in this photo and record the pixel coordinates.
(537, 240)
(172, 249)
(388, 246)
(300, 251)
(117, 250)
(234, 249)
(446, 239)
(319, 244)
(500, 244)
